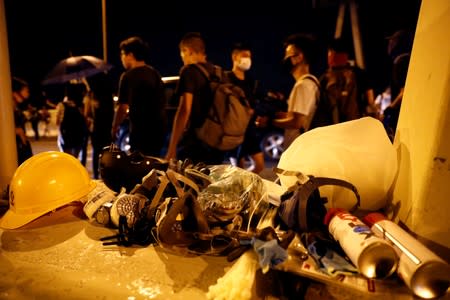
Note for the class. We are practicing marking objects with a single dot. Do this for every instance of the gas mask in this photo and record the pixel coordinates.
(244, 63)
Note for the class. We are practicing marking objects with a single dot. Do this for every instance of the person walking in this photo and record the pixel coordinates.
(241, 56)
(141, 100)
(99, 111)
(73, 130)
(304, 96)
(195, 97)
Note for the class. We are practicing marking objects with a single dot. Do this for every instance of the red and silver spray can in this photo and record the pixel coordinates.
(426, 274)
(373, 256)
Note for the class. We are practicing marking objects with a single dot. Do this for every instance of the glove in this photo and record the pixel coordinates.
(269, 253)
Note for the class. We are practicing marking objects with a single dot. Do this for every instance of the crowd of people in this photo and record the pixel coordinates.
(88, 113)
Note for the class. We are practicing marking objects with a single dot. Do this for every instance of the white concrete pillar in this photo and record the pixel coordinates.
(422, 189)
(8, 155)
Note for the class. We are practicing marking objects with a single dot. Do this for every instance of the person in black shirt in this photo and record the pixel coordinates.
(73, 131)
(241, 56)
(195, 100)
(99, 109)
(141, 94)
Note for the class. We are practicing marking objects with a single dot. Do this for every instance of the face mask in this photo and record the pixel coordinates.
(287, 64)
(244, 63)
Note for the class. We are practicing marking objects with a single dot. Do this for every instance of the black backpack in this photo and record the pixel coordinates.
(340, 99)
(229, 115)
(326, 112)
(73, 126)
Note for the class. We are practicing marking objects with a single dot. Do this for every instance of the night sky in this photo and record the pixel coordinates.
(41, 33)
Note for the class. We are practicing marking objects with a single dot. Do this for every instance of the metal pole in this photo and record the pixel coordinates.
(105, 44)
(340, 20)
(8, 150)
(357, 43)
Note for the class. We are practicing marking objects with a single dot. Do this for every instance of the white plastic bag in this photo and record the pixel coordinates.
(357, 151)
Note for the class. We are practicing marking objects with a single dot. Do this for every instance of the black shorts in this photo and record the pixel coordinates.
(251, 144)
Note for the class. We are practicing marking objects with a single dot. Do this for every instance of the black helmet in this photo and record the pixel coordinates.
(119, 169)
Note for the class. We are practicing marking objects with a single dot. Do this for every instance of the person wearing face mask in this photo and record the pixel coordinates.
(304, 96)
(241, 56)
(194, 93)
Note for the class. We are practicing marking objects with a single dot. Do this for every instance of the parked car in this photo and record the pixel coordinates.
(272, 137)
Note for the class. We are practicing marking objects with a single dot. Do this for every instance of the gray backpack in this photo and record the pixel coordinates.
(229, 115)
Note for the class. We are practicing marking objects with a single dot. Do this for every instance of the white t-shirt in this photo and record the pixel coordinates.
(302, 100)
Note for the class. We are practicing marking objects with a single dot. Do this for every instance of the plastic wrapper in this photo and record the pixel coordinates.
(234, 191)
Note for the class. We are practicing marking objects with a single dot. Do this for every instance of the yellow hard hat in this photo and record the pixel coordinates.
(44, 182)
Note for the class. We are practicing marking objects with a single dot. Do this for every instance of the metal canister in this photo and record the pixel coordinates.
(373, 256)
(426, 274)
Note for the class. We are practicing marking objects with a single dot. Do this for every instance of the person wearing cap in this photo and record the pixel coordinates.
(347, 84)
(303, 98)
